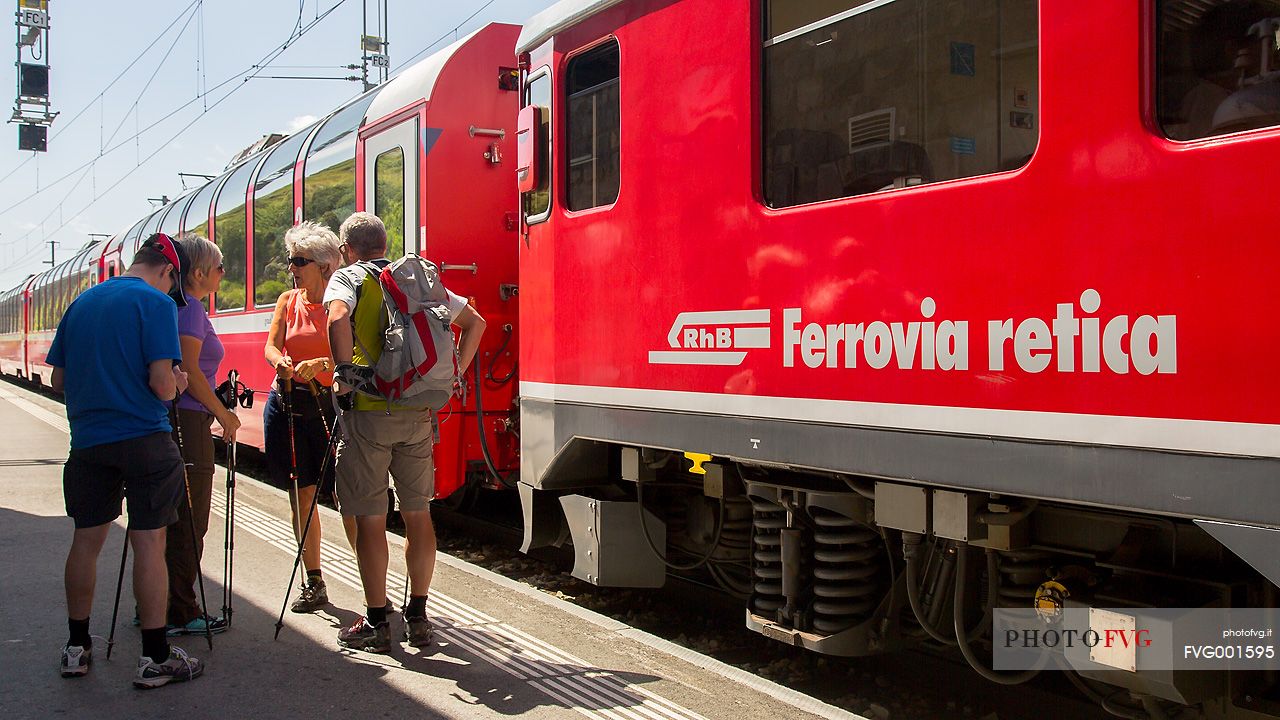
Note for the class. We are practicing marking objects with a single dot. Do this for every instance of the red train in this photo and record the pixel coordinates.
(426, 152)
(821, 298)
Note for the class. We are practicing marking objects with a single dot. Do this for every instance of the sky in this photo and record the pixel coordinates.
(124, 133)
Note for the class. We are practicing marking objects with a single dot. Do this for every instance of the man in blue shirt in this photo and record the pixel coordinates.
(115, 357)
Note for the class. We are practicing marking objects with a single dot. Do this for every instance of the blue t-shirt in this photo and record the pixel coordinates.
(105, 344)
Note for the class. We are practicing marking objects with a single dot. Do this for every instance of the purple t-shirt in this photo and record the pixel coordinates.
(193, 321)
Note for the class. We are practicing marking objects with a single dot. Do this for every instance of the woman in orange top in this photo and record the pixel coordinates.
(298, 348)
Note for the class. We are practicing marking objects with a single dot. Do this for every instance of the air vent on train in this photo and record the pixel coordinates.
(871, 129)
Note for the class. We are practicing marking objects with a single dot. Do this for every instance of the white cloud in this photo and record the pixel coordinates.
(300, 122)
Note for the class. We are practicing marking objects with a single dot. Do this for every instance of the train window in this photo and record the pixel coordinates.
(44, 304)
(272, 216)
(129, 243)
(329, 185)
(593, 127)
(196, 219)
(153, 223)
(388, 196)
(172, 221)
(537, 92)
(868, 95)
(1216, 70)
(228, 233)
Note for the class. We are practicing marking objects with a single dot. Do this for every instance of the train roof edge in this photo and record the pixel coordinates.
(542, 26)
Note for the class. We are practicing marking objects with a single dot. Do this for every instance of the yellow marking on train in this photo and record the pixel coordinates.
(697, 459)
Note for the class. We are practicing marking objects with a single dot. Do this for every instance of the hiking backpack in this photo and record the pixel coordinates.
(419, 360)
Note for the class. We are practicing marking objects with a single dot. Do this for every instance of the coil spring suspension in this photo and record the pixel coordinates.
(736, 534)
(766, 567)
(1021, 572)
(850, 559)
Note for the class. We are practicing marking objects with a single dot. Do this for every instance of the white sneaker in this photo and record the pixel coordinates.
(75, 660)
(179, 667)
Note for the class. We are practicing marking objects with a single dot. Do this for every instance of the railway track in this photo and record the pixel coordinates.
(918, 684)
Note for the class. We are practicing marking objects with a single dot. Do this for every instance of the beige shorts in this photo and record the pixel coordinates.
(375, 443)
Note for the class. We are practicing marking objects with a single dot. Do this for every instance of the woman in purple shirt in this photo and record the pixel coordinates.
(198, 408)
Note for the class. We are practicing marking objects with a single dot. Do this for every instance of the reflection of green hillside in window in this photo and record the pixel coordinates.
(389, 198)
(229, 236)
(329, 196)
(272, 216)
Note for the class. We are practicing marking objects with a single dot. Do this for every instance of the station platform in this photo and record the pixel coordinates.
(502, 648)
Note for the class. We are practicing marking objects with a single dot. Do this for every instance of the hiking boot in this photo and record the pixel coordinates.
(313, 597)
(197, 626)
(417, 631)
(75, 660)
(179, 667)
(360, 635)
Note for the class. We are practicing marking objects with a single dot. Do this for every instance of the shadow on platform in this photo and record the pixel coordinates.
(249, 674)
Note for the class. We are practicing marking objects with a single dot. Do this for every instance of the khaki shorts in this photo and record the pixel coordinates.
(374, 443)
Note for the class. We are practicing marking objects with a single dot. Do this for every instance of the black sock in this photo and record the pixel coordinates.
(155, 644)
(417, 606)
(314, 577)
(79, 633)
(377, 616)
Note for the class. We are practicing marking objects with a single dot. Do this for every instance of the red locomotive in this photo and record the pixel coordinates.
(810, 286)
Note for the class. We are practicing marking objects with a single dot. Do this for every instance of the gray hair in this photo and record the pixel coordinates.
(201, 252)
(365, 234)
(315, 241)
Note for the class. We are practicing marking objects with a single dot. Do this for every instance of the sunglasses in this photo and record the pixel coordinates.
(299, 261)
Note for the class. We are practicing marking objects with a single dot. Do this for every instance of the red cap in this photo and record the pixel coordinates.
(174, 253)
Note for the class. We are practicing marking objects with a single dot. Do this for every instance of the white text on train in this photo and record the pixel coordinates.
(1147, 345)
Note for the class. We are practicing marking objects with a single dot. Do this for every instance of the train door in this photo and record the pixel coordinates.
(391, 182)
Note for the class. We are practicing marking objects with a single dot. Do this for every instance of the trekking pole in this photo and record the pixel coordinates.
(287, 396)
(191, 523)
(124, 555)
(315, 393)
(297, 559)
(229, 533)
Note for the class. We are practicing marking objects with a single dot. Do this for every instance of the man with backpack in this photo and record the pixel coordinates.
(381, 316)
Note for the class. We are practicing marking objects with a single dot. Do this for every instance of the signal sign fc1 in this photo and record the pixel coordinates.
(28, 17)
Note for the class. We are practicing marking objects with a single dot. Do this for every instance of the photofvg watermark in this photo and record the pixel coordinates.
(1137, 639)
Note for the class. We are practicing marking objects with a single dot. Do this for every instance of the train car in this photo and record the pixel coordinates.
(829, 300)
(427, 152)
(14, 316)
(48, 296)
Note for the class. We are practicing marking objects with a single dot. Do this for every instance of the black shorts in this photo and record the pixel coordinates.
(146, 470)
(311, 423)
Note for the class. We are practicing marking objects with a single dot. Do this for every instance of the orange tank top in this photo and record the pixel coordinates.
(306, 333)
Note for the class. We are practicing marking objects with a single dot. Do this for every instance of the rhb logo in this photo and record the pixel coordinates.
(719, 337)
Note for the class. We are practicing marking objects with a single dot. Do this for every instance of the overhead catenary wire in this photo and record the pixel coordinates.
(443, 37)
(147, 85)
(97, 98)
(245, 76)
